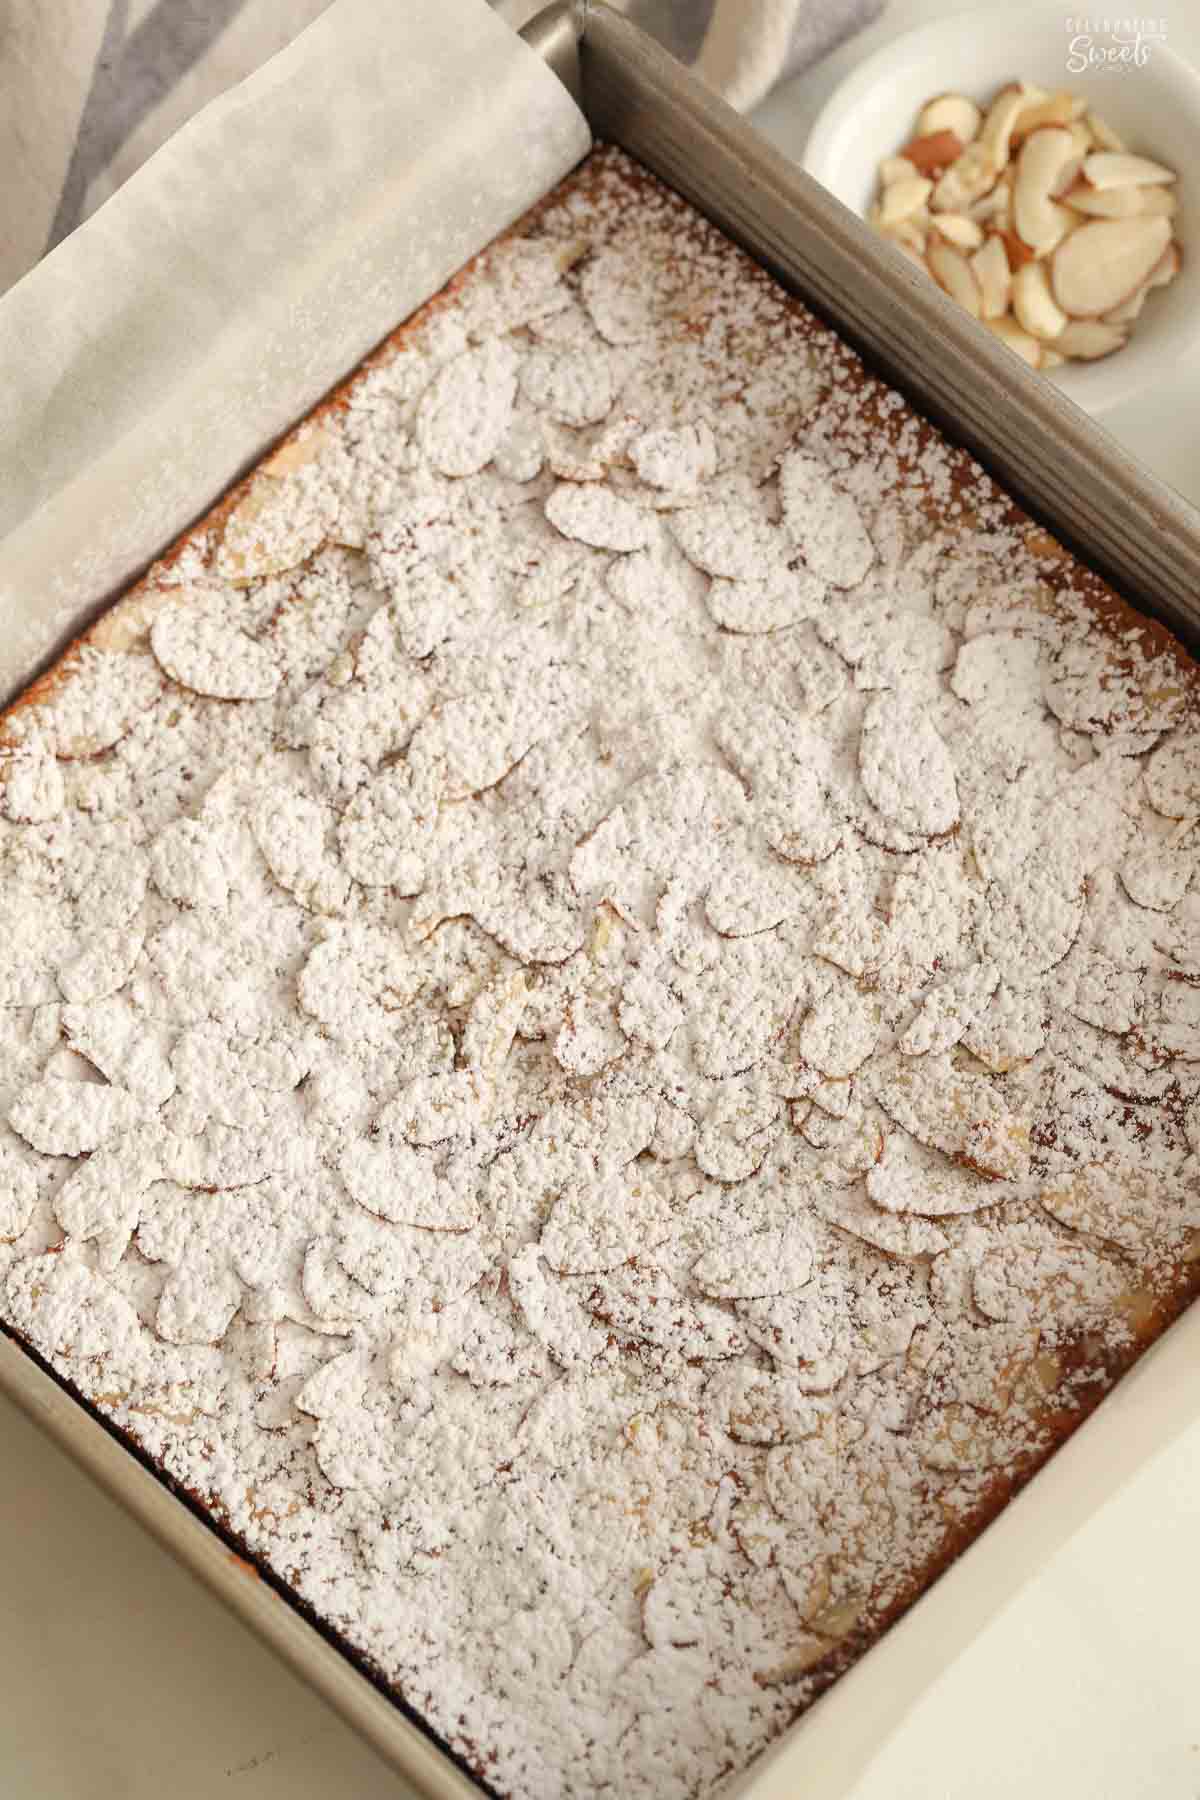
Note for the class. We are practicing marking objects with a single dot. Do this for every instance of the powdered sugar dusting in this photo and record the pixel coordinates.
(598, 996)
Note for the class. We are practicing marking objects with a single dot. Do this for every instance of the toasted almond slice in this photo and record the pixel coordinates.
(958, 230)
(1039, 220)
(1051, 358)
(996, 132)
(833, 1097)
(1157, 878)
(950, 112)
(198, 641)
(820, 519)
(951, 270)
(1113, 1201)
(903, 198)
(261, 537)
(968, 177)
(949, 1008)
(1039, 1277)
(1087, 340)
(1106, 261)
(1010, 333)
(295, 452)
(894, 1233)
(1036, 309)
(1056, 109)
(804, 1653)
(911, 1178)
(758, 1265)
(937, 151)
(989, 266)
(1172, 779)
(32, 790)
(896, 168)
(1117, 169)
(1106, 138)
(1114, 203)
(851, 1145)
(840, 1033)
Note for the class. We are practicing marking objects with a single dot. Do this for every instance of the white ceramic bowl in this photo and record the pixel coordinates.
(1155, 108)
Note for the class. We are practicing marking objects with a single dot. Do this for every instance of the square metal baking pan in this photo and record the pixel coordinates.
(1064, 469)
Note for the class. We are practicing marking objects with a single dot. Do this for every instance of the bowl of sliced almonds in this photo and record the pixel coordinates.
(1055, 202)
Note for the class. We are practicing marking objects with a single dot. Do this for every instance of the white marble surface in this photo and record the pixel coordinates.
(122, 1679)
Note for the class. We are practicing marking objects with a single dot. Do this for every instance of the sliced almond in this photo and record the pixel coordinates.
(951, 270)
(996, 132)
(1087, 340)
(1114, 203)
(1128, 311)
(896, 168)
(913, 232)
(804, 1654)
(958, 230)
(1068, 176)
(950, 112)
(1039, 220)
(910, 234)
(1106, 138)
(1114, 1201)
(1156, 202)
(1051, 358)
(1055, 109)
(1172, 780)
(1072, 169)
(1081, 133)
(912, 1179)
(1075, 222)
(1010, 333)
(261, 536)
(903, 199)
(839, 1033)
(296, 452)
(989, 266)
(1106, 169)
(994, 208)
(965, 1116)
(935, 152)
(967, 178)
(1106, 261)
(127, 626)
(1035, 307)
(1167, 267)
